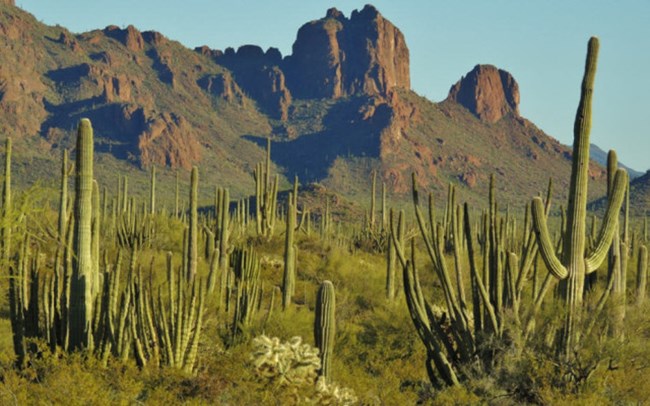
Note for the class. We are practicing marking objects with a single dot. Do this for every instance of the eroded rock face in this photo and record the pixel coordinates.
(489, 93)
(168, 140)
(129, 37)
(223, 86)
(258, 74)
(338, 56)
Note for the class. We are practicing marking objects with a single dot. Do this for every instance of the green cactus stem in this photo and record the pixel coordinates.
(289, 277)
(573, 265)
(193, 233)
(325, 327)
(642, 275)
(81, 298)
(152, 191)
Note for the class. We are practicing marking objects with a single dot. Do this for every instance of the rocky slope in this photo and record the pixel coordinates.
(337, 108)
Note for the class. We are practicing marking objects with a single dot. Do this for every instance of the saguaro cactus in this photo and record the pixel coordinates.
(573, 265)
(81, 300)
(193, 234)
(324, 326)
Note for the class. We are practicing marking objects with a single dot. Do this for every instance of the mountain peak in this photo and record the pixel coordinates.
(488, 92)
(337, 56)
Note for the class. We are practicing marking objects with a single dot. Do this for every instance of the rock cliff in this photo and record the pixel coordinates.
(487, 92)
(338, 56)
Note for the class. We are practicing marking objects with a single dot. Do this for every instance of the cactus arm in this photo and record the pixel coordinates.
(608, 228)
(544, 241)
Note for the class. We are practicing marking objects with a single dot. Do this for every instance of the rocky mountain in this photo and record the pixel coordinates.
(339, 107)
(487, 92)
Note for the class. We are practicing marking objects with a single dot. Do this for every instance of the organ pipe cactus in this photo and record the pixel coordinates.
(15, 303)
(391, 257)
(642, 275)
(325, 327)
(223, 230)
(81, 298)
(266, 194)
(152, 191)
(373, 209)
(246, 268)
(289, 277)
(573, 264)
(193, 233)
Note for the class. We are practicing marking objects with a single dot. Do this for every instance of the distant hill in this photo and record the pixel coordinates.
(600, 156)
(640, 194)
(339, 107)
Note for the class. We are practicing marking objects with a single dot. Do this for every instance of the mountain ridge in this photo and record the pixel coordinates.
(154, 102)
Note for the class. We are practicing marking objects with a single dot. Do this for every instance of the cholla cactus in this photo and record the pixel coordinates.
(295, 365)
(330, 394)
(287, 364)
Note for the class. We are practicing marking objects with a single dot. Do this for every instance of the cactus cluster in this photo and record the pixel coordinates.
(491, 310)
(117, 287)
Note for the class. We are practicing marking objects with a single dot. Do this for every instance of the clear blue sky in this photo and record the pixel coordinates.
(542, 43)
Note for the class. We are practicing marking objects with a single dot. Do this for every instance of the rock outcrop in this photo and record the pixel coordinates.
(259, 75)
(168, 140)
(338, 56)
(223, 86)
(489, 93)
(129, 37)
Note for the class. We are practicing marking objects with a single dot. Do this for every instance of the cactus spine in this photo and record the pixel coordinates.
(81, 299)
(573, 265)
(325, 327)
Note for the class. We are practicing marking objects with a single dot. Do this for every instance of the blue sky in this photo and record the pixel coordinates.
(541, 43)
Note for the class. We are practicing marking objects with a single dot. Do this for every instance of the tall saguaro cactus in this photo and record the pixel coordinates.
(193, 234)
(573, 264)
(324, 326)
(81, 300)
